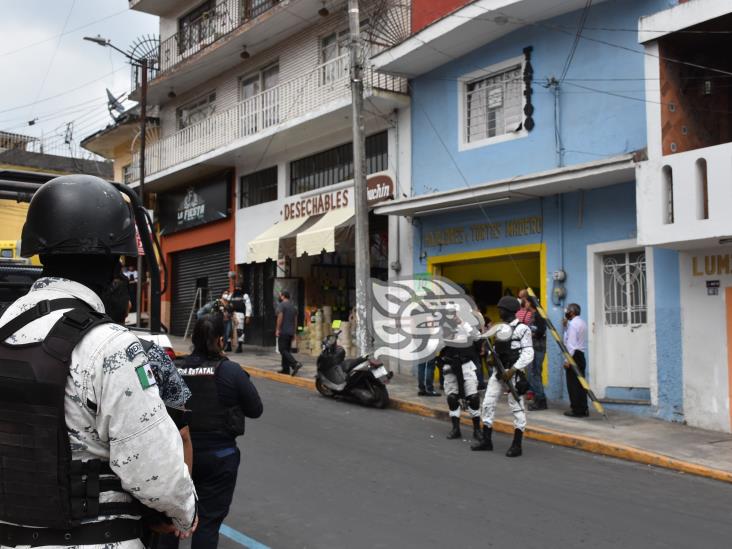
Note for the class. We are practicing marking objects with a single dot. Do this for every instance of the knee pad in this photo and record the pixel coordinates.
(474, 401)
(452, 402)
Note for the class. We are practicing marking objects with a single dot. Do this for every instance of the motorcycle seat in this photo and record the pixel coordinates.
(350, 363)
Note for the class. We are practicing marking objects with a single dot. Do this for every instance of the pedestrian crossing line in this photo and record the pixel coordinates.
(240, 538)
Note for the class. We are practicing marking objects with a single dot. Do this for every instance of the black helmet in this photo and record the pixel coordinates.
(509, 303)
(78, 214)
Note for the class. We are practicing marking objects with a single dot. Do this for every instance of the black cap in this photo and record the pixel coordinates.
(78, 214)
(509, 303)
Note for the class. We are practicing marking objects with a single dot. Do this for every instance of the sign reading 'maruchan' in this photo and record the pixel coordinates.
(194, 205)
(379, 187)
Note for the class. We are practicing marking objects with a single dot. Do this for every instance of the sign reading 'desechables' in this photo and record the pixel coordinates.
(194, 205)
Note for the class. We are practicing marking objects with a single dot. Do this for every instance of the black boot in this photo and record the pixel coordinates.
(476, 428)
(455, 432)
(238, 348)
(515, 449)
(484, 444)
(227, 349)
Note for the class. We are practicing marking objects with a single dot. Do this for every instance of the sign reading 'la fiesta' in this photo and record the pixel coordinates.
(481, 232)
(194, 206)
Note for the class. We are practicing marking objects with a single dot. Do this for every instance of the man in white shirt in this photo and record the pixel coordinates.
(575, 338)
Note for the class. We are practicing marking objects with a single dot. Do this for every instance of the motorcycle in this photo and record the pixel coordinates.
(362, 379)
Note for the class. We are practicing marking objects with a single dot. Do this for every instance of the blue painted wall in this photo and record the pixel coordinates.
(588, 217)
(668, 335)
(594, 125)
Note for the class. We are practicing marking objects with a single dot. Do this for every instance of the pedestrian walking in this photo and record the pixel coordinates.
(80, 388)
(222, 397)
(285, 332)
(515, 351)
(575, 339)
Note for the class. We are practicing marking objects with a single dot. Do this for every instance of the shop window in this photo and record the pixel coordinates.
(702, 190)
(336, 165)
(196, 111)
(493, 104)
(668, 195)
(258, 187)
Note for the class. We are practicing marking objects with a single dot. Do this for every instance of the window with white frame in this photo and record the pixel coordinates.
(334, 46)
(493, 104)
(196, 111)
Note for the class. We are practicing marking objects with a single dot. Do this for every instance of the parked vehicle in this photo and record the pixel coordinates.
(361, 379)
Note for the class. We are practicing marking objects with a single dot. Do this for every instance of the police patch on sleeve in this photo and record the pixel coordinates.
(133, 350)
(145, 376)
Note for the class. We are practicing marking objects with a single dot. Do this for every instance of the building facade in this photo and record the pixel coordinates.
(252, 170)
(570, 168)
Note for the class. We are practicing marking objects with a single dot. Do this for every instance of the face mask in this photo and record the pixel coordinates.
(568, 315)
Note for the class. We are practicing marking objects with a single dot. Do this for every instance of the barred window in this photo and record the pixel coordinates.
(336, 165)
(258, 187)
(493, 105)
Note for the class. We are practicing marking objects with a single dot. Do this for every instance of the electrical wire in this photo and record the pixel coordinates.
(53, 58)
(573, 49)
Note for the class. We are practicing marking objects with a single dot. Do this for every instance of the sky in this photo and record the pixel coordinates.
(49, 73)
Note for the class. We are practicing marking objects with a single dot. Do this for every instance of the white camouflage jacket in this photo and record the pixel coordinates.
(110, 414)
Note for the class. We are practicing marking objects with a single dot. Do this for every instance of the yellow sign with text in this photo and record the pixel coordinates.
(711, 265)
(481, 232)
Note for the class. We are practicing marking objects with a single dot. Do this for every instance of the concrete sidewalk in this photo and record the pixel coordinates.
(649, 441)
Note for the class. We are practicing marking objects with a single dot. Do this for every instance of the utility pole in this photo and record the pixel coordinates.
(143, 127)
(363, 263)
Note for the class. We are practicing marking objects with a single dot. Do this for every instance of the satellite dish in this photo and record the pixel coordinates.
(113, 104)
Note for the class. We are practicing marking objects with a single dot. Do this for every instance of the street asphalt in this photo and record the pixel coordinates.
(318, 473)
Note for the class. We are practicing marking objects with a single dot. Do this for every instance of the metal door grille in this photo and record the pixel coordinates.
(625, 290)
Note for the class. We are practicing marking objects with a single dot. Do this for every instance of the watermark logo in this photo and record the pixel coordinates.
(413, 318)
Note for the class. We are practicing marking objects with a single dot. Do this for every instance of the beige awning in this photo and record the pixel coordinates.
(322, 235)
(267, 245)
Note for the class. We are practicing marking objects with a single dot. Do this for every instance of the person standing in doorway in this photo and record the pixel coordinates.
(536, 322)
(575, 337)
(285, 331)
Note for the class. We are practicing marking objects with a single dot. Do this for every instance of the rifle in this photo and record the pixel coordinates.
(567, 357)
(502, 370)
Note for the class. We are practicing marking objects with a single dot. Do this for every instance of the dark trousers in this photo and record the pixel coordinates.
(284, 344)
(214, 475)
(577, 394)
(426, 375)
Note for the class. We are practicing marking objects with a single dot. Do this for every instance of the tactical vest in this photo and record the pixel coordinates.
(208, 414)
(506, 354)
(40, 484)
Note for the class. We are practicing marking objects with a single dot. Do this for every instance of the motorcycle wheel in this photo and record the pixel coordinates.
(381, 395)
(322, 389)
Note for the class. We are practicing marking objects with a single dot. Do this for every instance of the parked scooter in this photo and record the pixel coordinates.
(362, 379)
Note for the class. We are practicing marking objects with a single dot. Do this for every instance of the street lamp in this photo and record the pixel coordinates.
(142, 65)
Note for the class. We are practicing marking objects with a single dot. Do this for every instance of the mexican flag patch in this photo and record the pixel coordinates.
(145, 375)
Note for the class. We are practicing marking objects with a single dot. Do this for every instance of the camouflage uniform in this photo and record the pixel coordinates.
(110, 413)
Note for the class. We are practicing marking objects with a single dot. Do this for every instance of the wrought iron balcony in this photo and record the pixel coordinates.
(326, 84)
(208, 27)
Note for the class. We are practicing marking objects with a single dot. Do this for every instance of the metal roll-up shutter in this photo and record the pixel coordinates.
(206, 266)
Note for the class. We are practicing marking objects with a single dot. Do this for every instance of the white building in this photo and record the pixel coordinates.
(252, 167)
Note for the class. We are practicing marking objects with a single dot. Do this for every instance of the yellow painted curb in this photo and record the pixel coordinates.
(579, 442)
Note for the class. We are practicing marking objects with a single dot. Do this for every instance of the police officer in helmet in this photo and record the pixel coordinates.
(80, 389)
(515, 351)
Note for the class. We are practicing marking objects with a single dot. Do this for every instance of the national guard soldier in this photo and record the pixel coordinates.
(515, 352)
(458, 363)
(84, 429)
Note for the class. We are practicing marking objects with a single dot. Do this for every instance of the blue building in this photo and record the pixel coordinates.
(530, 148)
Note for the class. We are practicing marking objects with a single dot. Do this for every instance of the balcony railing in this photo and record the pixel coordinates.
(209, 27)
(280, 104)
